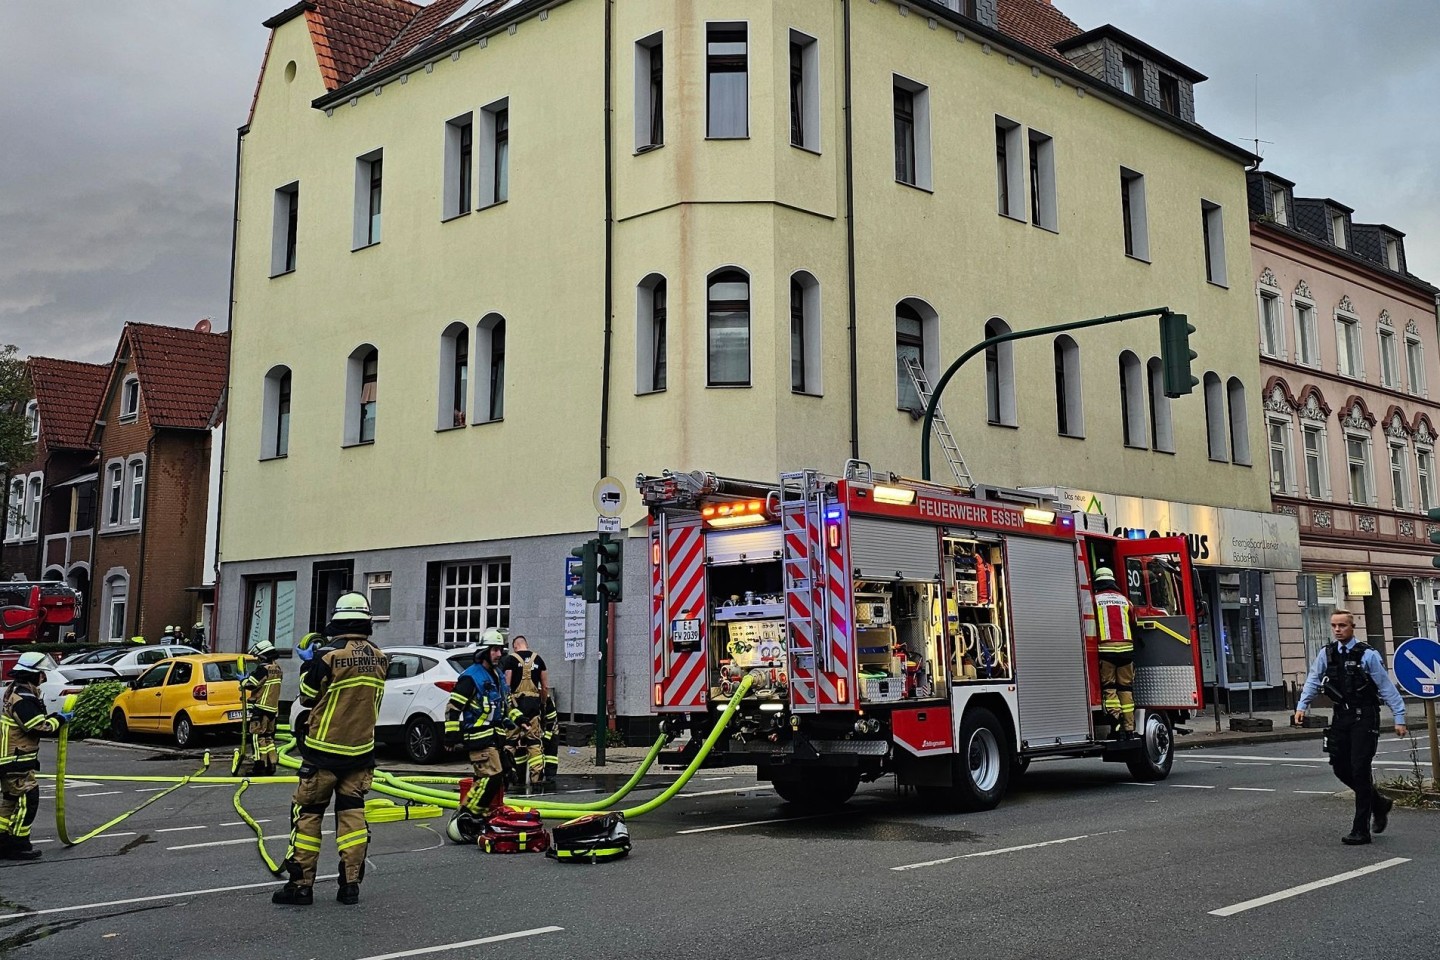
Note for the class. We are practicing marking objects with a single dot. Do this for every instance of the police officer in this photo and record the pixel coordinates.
(22, 720)
(482, 711)
(1352, 674)
(262, 686)
(1115, 620)
(340, 689)
(529, 682)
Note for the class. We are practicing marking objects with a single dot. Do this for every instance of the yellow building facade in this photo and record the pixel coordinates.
(770, 207)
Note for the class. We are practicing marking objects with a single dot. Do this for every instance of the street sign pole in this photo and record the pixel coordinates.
(1417, 672)
(1434, 743)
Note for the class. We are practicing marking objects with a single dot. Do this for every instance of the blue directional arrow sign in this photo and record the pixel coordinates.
(1417, 667)
(572, 576)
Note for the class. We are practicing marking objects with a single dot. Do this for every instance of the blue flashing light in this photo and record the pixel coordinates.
(1135, 535)
(833, 513)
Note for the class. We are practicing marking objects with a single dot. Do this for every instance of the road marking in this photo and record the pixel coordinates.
(1191, 786)
(1222, 756)
(162, 896)
(1306, 888)
(1133, 783)
(108, 836)
(1322, 793)
(1302, 766)
(206, 786)
(752, 823)
(992, 853)
(1253, 789)
(1253, 764)
(103, 793)
(151, 789)
(714, 779)
(716, 793)
(1213, 763)
(230, 843)
(179, 829)
(241, 823)
(466, 943)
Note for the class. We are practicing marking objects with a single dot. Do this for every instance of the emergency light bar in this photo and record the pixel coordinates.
(741, 513)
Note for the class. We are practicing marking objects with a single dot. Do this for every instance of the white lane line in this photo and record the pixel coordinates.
(34, 842)
(231, 843)
(103, 793)
(1213, 763)
(151, 789)
(420, 952)
(241, 823)
(1317, 760)
(1321, 793)
(715, 793)
(162, 896)
(714, 779)
(1289, 892)
(992, 853)
(1191, 786)
(1253, 764)
(108, 836)
(1133, 783)
(1253, 789)
(206, 786)
(179, 829)
(1302, 766)
(752, 823)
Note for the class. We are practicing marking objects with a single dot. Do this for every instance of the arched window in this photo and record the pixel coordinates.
(917, 335)
(1239, 422)
(1215, 418)
(130, 398)
(651, 339)
(1069, 413)
(727, 328)
(275, 414)
(362, 386)
(805, 333)
(453, 403)
(117, 593)
(490, 366)
(999, 376)
(1132, 400)
(1162, 431)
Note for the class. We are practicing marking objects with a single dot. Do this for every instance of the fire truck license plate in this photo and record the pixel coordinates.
(685, 633)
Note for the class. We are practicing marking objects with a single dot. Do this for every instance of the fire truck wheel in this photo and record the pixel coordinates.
(1153, 761)
(820, 790)
(982, 768)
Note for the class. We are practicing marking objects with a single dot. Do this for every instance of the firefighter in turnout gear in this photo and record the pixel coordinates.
(550, 720)
(482, 711)
(529, 683)
(22, 720)
(262, 687)
(1115, 620)
(340, 689)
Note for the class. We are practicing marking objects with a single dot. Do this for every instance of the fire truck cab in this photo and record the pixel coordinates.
(892, 626)
(28, 607)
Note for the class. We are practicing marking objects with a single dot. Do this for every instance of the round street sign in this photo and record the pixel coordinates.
(1417, 667)
(609, 497)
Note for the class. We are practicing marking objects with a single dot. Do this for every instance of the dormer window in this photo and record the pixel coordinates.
(130, 398)
(1337, 230)
(1392, 253)
(1134, 78)
(1170, 95)
(1277, 205)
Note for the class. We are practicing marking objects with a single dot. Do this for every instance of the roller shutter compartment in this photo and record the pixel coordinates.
(1049, 644)
(887, 550)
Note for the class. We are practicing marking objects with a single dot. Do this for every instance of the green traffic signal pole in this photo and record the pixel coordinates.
(934, 403)
(602, 727)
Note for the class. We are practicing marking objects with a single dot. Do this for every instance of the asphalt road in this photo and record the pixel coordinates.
(1078, 862)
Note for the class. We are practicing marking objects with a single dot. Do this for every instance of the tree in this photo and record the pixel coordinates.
(16, 447)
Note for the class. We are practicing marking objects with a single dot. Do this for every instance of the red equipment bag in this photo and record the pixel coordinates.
(514, 831)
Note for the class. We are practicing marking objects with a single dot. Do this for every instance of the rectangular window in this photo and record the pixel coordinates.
(137, 490)
(1392, 254)
(474, 597)
(1277, 205)
(369, 395)
(1315, 468)
(286, 229)
(1357, 454)
(502, 156)
(1399, 477)
(116, 600)
(130, 398)
(369, 182)
(497, 372)
(727, 81)
(909, 345)
(728, 331)
(15, 510)
(1425, 466)
(1388, 360)
(658, 328)
(1415, 366)
(1134, 79)
(1043, 211)
(1169, 94)
(1281, 479)
(1212, 223)
(377, 588)
(271, 611)
(1271, 342)
(115, 493)
(494, 173)
(459, 166)
(649, 93)
(1009, 180)
(83, 508)
(1337, 229)
(1307, 348)
(1351, 361)
(804, 92)
(1132, 212)
(797, 336)
(912, 132)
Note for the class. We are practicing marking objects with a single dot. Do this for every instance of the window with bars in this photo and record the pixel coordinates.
(474, 597)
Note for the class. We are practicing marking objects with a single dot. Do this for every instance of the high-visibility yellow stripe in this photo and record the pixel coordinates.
(343, 750)
(352, 839)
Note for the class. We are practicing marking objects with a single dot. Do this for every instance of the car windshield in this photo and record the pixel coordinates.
(462, 661)
(110, 656)
(218, 670)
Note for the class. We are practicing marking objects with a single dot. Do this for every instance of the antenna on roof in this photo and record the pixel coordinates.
(1256, 139)
(204, 326)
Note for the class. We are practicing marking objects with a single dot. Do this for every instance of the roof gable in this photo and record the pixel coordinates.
(182, 373)
(349, 34)
(68, 395)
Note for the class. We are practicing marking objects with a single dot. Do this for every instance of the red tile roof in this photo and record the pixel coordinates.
(349, 34)
(68, 394)
(182, 373)
(1038, 24)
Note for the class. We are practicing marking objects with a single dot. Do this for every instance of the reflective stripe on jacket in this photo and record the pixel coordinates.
(481, 701)
(343, 688)
(263, 686)
(22, 720)
(1113, 615)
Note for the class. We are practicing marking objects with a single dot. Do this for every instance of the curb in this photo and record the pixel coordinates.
(1245, 740)
(166, 753)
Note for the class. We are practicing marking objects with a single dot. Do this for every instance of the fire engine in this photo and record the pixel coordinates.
(27, 607)
(945, 635)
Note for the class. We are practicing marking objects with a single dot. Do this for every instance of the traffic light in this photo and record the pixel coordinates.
(1175, 354)
(587, 553)
(608, 567)
(1434, 514)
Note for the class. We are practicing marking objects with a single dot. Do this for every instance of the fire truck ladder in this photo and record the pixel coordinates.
(942, 429)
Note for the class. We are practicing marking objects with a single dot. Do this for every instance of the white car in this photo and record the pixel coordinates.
(66, 679)
(134, 662)
(417, 688)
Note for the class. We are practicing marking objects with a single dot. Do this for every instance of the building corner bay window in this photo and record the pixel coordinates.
(728, 329)
(727, 82)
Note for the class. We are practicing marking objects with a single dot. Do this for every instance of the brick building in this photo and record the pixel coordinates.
(162, 400)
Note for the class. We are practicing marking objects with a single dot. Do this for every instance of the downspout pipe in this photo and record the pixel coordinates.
(850, 239)
(211, 638)
(609, 243)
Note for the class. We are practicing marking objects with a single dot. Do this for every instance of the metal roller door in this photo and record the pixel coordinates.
(887, 550)
(1049, 642)
(743, 546)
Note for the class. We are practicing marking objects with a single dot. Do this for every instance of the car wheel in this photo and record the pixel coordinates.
(185, 734)
(422, 740)
(119, 731)
(982, 768)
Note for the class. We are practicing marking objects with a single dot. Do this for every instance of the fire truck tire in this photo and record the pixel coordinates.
(1153, 761)
(984, 763)
(820, 790)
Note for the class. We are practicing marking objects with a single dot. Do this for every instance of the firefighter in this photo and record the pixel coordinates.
(22, 720)
(482, 711)
(551, 742)
(341, 689)
(1352, 675)
(529, 683)
(263, 707)
(1116, 621)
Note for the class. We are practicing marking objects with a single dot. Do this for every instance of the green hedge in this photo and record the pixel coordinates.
(92, 708)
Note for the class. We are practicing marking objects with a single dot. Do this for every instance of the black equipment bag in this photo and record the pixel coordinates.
(591, 839)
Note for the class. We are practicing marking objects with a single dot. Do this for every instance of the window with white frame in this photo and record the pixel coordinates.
(1317, 470)
(15, 510)
(1392, 253)
(1132, 400)
(1282, 464)
(458, 195)
(1425, 468)
(727, 81)
(117, 592)
(1389, 363)
(650, 92)
(474, 597)
(912, 133)
(1272, 334)
(1069, 413)
(369, 191)
(1215, 418)
(1399, 475)
(1009, 181)
(135, 485)
(1162, 429)
(285, 229)
(32, 420)
(1352, 359)
(275, 414)
(1357, 459)
(1337, 229)
(1277, 204)
(130, 398)
(804, 92)
(1212, 225)
(651, 317)
(1307, 345)
(377, 589)
(1239, 422)
(114, 493)
(490, 368)
(495, 153)
(727, 329)
(1132, 213)
(452, 407)
(805, 334)
(35, 486)
(1415, 365)
(999, 376)
(1043, 210)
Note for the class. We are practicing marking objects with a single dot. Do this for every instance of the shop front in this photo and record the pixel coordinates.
(1237, 555)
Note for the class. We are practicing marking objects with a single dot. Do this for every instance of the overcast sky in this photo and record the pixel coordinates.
(118, 143)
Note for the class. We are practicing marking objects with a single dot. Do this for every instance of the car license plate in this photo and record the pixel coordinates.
(235, 715)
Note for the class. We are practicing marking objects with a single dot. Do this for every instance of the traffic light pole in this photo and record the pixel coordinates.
(1005, 338)
(602, 713)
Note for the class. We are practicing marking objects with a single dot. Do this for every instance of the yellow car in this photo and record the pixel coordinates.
(185, 697)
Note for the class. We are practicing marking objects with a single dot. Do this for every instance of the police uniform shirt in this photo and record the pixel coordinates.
(1373, 665)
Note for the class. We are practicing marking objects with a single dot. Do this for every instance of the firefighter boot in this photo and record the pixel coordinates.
(12, 848)
(348, 894)
(294, 894)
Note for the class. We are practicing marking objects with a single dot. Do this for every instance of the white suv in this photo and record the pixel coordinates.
(134, 661)
(417, 688)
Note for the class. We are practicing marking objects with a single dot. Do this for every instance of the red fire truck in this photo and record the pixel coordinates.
(892, 626)
(27, 608)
